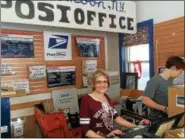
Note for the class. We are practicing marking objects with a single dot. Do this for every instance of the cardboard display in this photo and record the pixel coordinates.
(173, 108)
(176, 133)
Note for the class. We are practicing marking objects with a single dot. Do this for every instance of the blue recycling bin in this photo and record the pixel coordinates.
(5, 118)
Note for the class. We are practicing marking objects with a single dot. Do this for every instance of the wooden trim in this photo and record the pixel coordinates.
(24, 105)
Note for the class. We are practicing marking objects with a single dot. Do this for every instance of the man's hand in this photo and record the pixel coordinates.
(145, 122)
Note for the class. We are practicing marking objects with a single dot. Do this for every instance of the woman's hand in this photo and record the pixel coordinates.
(115, 132)
(145, 122)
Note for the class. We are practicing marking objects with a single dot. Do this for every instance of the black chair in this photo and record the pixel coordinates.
(74, 120)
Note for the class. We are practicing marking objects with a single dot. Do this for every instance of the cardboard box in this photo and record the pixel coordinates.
(176, 133)
(175, 101)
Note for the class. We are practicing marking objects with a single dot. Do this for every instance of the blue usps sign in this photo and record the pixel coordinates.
(58, 42)
(17, 46)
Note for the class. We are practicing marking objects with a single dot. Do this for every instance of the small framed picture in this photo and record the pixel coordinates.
(130, 80)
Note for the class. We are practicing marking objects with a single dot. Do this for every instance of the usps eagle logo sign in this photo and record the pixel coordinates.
(58, 42)
(57, 46)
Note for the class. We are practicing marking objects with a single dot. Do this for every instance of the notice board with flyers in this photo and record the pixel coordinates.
(20, 66)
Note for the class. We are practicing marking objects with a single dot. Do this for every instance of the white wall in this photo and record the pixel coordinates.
(111, 40)
(159, 11)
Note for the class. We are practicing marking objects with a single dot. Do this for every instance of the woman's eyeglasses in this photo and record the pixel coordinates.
(101, 82)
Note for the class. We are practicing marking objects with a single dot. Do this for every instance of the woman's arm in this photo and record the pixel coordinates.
(122, 122)
(92, 134)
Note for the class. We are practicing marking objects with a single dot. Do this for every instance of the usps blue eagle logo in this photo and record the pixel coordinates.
(58, 42)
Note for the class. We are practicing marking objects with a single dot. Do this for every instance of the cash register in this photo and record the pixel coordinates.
(155, 130)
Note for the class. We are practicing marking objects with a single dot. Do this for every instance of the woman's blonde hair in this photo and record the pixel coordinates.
(99, 72)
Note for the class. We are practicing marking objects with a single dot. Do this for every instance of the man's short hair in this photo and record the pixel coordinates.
(176, 61)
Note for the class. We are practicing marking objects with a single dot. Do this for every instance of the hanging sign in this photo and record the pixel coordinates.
(138, 68)
(109, 16)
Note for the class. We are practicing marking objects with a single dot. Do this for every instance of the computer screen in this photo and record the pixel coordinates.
(159, 127)
(164, 127)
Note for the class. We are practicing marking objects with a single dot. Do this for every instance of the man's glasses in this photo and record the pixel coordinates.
(101, 82)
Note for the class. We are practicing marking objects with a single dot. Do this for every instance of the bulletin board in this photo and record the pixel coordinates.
(36, 86)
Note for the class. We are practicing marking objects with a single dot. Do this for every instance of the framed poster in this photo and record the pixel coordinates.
(17, 46)
(88, 47)
(61, 76)
(57, 46)
(37, 72)
(130, 80)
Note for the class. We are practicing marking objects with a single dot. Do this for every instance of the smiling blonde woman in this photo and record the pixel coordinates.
(97, 113)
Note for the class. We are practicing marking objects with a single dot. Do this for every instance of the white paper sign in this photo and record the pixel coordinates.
(57, 46)
(60, 69)
(180, 101)
(37, 72)
(89, 66)
(101, 15)
(17, 129)
(66, 98)
(17, 85)
(6, 69)
(4, 129)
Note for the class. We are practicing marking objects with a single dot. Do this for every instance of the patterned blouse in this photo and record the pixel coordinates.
(96, 116)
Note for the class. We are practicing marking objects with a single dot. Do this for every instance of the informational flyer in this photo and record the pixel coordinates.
(17, 46)
(89, 66)
(66, 99)
(6, 69)
(17, 85)
(37, 72)
(61, 76)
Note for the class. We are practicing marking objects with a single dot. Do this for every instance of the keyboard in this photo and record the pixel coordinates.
(132, 132)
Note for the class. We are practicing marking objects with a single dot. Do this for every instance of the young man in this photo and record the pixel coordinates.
(156, 91)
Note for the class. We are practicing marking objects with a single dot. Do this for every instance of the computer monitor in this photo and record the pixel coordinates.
(158, 128)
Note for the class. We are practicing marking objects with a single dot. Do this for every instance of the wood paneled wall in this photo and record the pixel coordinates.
(168, 40)
(20, 65)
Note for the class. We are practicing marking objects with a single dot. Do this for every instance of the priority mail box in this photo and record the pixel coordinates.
(176, 101)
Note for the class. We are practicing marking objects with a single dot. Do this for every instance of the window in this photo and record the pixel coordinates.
(139, 53)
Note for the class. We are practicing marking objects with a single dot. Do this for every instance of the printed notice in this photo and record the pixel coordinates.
(180, 101)
(37, 72)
